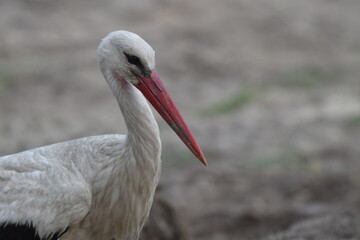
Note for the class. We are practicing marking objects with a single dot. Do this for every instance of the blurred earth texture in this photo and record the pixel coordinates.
(270, 89)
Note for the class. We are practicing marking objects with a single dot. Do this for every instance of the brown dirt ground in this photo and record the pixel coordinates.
(270, 88)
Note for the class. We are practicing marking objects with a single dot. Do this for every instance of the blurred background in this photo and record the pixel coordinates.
(270, 89)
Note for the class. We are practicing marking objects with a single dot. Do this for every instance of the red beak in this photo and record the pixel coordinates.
(156, 93)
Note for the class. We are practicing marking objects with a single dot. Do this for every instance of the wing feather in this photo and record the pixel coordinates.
(51, 187)
(39, 190)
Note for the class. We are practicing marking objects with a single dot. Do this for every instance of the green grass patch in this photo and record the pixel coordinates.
(353, 122)
(290, 161)
(7, 78)
(229, 105)
(355, 46)
(295, 161)
(177, 157)
(303, 78)
(310, 77)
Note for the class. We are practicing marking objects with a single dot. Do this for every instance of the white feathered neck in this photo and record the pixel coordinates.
(123, 190)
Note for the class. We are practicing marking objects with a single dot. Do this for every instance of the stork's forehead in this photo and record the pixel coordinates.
(133, 44)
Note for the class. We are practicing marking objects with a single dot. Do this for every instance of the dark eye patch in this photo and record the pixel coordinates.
(134, 60)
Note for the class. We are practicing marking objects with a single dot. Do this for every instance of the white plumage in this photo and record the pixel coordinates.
(99, 187)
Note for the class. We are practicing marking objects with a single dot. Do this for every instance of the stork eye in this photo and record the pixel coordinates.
(133, 60)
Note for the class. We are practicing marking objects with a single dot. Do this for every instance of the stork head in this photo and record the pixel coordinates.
(124, 56)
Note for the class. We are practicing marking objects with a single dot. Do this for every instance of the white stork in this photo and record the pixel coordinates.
(100, 187)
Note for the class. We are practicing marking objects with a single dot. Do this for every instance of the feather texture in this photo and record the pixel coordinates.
(98, 187)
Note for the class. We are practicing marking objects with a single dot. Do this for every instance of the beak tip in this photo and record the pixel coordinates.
(205, 163)
(203, 160)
